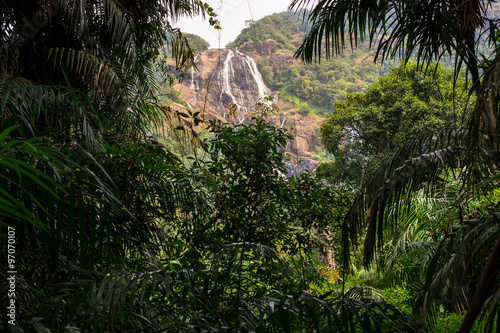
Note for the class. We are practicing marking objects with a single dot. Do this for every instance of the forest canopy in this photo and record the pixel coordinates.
(104, 229)
(403, 105)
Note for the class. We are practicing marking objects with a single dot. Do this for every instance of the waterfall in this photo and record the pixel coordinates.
(261, 87)
(194, 87)
(227, 73)
(283, 122)
(226, 77)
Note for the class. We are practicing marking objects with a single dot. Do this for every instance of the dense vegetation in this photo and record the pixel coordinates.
(435, 162)
(107, 230)
(367, 128)
(321, 85)
(316, 87)
(279, 29)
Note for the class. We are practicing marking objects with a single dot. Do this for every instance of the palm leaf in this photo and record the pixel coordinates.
(105, 80)
(396, 27)
(21, 177)
(179, 46)
(418, 163)
(56, 107)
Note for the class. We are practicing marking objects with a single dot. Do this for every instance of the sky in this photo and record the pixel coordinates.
(232, 15)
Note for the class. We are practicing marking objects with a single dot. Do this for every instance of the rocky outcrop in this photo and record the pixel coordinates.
(228, 86)
(226, 81)
(305, 130)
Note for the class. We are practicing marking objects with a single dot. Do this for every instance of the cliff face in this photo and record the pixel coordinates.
(305, 130)
(228, 85)
(225, 78)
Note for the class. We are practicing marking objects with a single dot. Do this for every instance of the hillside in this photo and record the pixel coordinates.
(229, 87)
(304, 92)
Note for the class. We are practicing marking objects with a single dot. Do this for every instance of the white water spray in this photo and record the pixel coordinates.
(227, 73)
(262, 90)
(194, 86)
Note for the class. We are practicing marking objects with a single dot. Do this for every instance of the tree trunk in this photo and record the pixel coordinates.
(485, 288)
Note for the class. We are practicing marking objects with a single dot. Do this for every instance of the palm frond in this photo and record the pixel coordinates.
(328, 24)
(179, 46)
(485, 122)
(21, 178)
(177, 9)
(43, 108)
(106, 82)
(418, 163)
(118, 23)
(429, 29)
(97, 301)
(454, 268)
(335, 312)
(402, 259)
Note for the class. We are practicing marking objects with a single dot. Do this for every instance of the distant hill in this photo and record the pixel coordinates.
(305, 92)
(315, 88)
(197, 43)
(284, 30)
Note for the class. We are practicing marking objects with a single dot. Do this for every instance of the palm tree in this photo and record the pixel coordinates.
(95, 57)
(81, 182)
(429, 31)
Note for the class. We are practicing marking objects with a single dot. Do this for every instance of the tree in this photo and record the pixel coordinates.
(430, 30)
(77, 92)
(56, 47)
(254, 200)
(407, 103)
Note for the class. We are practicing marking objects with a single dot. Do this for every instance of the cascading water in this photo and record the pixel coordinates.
(194, 84)
(227, 74)
(226, 77)
(229, 77)
(283, 121)
(261, 86)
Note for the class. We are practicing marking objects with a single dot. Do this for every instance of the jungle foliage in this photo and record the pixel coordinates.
(113, 232)
(429, 31)
(367, 128)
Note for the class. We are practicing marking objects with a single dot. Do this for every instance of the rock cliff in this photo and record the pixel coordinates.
(224, 79)
(228, 86)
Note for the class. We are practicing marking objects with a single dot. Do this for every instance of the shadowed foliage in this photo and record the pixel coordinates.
(428, 30)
